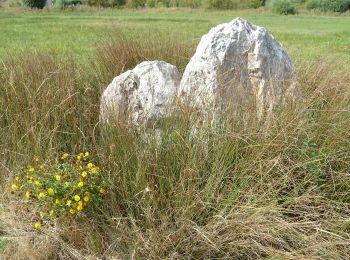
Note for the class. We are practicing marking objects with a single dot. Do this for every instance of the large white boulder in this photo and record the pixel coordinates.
(142, 95)
(238, 62)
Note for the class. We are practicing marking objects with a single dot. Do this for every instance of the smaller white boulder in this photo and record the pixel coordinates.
(142, 95)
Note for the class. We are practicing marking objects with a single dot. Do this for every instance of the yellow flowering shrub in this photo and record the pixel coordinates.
(64, 188)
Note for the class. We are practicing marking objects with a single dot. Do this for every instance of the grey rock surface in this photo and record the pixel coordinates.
(238, 62)
(142, 95)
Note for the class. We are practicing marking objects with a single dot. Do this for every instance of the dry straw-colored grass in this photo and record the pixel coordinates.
(239, 191)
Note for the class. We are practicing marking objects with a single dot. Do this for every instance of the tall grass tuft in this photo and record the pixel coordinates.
(122, 52)
(237, 190)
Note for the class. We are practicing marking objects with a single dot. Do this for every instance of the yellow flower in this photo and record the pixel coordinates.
(80, 184)
(37, 226)
(86, 155)
(71, 211)
(69, 202)
(42, 195)
(14, 187)
(27, 194)
(30, 179)
(17, 178)
(30, 169)
(76, 197)
(90, 165)
(86, 198)
(84, 174)
(94, 170)
(51, 213)
(58, 177)
(37, 183)
(102, 190)
(79, 157)
(57, 201)
(80, 206)
(66, 184)
(51, 191)
(64, 156)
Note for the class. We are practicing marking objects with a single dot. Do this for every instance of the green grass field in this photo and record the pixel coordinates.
(240, 188)
(305, 37)
(3, 244)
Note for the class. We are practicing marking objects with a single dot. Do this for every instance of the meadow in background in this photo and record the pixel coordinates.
(246, 190)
